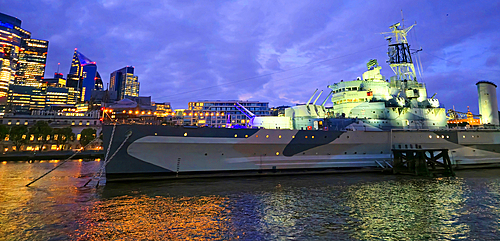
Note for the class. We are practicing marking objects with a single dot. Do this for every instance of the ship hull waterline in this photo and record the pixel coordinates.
(158, 152)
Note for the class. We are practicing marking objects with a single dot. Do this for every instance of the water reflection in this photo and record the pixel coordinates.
(418, 209)
(317, 207)
(156, 218)
(47, 207)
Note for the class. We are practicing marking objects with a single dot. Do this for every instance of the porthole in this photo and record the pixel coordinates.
(185, 134)
(347, 137)
(246, 136)
(306, 137)
(279, 136)
(437, 137)
(312, 137)
(267, 136)
(277, 153)
(463, 136)
(430, 137)
(235, 135)
(293, 137)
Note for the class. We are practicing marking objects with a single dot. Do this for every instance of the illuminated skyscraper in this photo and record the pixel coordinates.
(83, 76)
(11, 35)
(31, 64)
(124, 82)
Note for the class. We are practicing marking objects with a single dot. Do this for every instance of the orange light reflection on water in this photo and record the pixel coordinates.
(156, 218)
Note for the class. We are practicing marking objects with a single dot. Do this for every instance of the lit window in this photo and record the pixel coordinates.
(277, 153)
(430, 137)
(185, 133)
(279, 136)
(235, 135)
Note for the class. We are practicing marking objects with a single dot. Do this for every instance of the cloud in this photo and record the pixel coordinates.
(275, 51)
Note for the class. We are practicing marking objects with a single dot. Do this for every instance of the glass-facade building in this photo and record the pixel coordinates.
(221, 113)
(83, 75)
(11, 35)
(124, 82)
(31, 63)
(24, 99)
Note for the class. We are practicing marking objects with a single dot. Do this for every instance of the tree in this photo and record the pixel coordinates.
(40, 131)
(4, 130)
(17, 135)
(64, 135)
(86, 136)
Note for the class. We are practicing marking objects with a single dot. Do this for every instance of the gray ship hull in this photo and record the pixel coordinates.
(178, 152)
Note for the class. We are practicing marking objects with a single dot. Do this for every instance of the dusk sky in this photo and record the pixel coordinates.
(275, 51)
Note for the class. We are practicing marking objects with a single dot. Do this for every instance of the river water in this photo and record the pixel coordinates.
(304, 207)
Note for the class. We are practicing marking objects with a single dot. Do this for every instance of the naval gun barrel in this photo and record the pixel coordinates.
(324, 102)
(309, 101)
(317, 97)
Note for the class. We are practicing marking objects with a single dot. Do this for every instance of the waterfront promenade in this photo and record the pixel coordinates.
(47, 155)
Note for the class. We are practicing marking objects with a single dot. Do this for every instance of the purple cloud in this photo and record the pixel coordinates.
(276, 51)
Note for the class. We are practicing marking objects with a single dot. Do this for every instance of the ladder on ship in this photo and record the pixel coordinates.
(422, 162)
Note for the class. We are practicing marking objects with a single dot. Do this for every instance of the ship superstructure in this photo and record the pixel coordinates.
(371, 102)
(400, 102)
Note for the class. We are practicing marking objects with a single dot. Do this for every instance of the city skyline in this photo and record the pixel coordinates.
(274, 52)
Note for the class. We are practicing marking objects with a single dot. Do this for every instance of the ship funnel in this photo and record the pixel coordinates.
(309, 101)
(488, 105)
(317, 97)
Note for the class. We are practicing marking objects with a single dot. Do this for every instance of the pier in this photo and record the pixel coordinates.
(422, 162)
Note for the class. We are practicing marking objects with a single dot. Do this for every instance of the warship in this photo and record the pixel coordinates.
(371, 117)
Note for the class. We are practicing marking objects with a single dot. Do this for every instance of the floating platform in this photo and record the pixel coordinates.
(422, 162)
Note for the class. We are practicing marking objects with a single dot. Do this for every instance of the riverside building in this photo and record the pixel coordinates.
(222, 113)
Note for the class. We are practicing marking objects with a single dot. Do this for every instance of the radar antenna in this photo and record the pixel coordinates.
(399, 53)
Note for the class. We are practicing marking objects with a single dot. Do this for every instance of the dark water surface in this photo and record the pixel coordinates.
(306, 207)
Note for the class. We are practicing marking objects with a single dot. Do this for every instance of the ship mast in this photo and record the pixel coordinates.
(399, 53)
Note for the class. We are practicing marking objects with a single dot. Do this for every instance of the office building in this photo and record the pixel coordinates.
(124, 82)
(83, 76)
(31, 63)
(24, 99)
(222, 113)
(11, 35)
